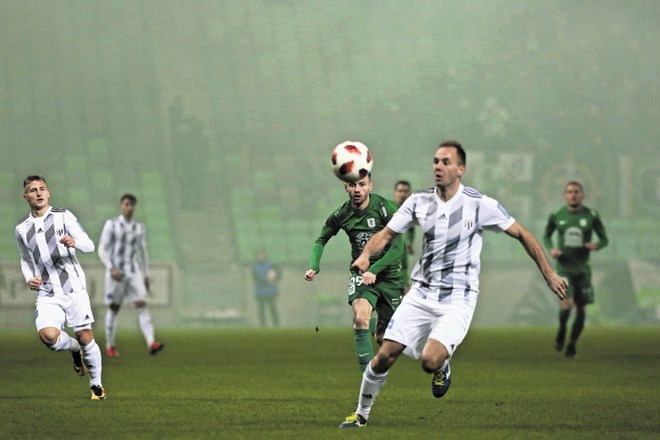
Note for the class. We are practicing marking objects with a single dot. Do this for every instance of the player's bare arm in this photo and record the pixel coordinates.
(375, 244)
(557, 284)
(591, 246)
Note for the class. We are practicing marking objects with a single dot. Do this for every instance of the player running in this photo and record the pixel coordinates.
(381, 285)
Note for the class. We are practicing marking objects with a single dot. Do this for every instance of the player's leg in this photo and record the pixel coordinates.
(583, 297)
(362, 299)
(390, 293)
(113, 300)
(445, 336)
(406, 332)
(565, 307)
(373, 380)
(137, 292)
(50, 318)
(362, 310)
(80, 317)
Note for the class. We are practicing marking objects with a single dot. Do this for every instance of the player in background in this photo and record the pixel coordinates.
(381, 285)
(435, 314)
(575, 225)
(47, 242)
(123, 252)
(403, 190)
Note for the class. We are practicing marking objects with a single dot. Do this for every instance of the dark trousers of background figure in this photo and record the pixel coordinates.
(268, 302)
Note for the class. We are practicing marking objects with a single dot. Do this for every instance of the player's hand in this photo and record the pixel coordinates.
(68, 241)
(147, 283)
(368, 278)
(591, 246)
(116, 274)
(558, 285)
(309, 275)
(555, 253)
(361, 263)
(34, 283)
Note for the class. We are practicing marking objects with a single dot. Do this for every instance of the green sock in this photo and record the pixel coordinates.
(363, 347)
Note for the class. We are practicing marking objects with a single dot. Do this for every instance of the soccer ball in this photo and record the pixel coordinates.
(351, 161)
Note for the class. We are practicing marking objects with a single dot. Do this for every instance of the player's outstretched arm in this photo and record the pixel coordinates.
(557, 284)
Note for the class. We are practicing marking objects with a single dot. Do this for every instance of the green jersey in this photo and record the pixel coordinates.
(360, 226)
(574, 229)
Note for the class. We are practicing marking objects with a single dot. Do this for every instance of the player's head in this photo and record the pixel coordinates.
(359, 192)
(402, 190)
(449, 163)
(574, 194)
(35, 192)
(127, 205)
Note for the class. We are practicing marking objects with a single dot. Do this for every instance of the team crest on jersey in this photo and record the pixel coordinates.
(371, 222)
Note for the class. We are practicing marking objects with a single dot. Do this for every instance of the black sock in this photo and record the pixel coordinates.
(578, 325)
(563, 319)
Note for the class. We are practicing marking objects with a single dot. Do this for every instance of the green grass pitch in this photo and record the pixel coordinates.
(290, 384)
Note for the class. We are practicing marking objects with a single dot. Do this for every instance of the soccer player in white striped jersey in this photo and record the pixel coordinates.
(435, 315)
(47, 241)
(123, 252)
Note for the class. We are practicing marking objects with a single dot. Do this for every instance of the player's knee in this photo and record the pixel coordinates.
(49, 336)
(114, 307)
(361, 322)
(84, 337)
(431, 364)
(140, 304)
(382, 362)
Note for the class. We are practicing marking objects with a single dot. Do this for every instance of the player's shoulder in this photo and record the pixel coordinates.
(592, 212)
(22, 221)
(472, 193)
(342, 210)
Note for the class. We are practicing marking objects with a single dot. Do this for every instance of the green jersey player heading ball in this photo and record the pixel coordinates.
(381, 287)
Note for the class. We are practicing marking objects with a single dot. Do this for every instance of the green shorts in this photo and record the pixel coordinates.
(579, 287)
(384, 296)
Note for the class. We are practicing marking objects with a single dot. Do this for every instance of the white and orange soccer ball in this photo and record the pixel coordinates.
(351, 161)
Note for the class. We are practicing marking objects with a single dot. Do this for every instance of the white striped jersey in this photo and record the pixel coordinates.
(42, 255)
(123, 245)
(452, 230)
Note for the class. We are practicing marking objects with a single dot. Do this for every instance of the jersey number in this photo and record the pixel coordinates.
(354, 281)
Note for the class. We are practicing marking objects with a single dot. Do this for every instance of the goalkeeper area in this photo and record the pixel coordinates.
(507, 383)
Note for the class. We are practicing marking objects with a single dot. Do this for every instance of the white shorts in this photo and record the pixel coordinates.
(73, 309)
(420, 317)
(130, 287)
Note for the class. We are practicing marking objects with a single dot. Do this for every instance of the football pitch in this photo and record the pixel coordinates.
(299, 384)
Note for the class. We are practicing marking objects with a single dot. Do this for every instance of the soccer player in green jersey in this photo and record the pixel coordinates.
(381, 287)
(402, 190)
(575, 225)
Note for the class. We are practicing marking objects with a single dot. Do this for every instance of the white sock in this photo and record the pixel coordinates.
(92, 355)
(372, 383)
(144, 317)
(65, 342)
(110, 327)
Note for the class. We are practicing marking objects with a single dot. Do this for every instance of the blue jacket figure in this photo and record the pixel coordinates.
(266, 276)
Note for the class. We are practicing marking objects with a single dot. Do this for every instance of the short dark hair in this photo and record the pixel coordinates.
(576, 183)
(402, 182)
(33, 178)
(459, 149)
(130, 197)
